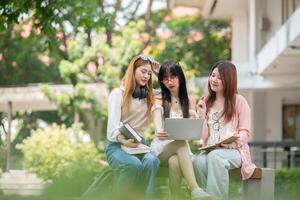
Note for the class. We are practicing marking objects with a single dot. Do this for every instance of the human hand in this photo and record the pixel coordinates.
(162, 135)
(194, 114)
(129, 143)
(155, 67)
(201, 108)
(232, 145)
(198, 143)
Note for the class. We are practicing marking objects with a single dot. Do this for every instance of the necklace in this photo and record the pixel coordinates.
(175, 100)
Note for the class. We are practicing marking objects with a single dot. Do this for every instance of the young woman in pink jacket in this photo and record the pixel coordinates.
(225, 113)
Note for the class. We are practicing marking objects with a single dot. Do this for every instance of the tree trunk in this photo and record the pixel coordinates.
(76, 118)
(148, 16)
(110, 29)
(152, 29)
(8, 136)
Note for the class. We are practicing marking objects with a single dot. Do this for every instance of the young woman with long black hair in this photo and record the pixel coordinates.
(175, 103)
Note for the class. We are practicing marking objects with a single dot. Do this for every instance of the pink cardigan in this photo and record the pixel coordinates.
(241, 121)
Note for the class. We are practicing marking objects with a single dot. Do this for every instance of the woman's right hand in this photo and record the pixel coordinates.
(162, 135)
(129, 143)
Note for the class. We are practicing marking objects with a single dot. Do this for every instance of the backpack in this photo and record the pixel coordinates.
(102, 185)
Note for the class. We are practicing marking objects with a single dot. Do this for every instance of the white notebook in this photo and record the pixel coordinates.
(226, 140)
(141, 148)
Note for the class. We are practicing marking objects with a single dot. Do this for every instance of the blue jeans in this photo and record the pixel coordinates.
(211, 171)
(137, 171)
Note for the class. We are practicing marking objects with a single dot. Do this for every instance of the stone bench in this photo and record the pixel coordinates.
(22, 183)
(259, 186)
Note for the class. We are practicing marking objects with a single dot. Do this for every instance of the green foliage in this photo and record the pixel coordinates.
(27, 121)
(195, 42)
(74, 69)
(287, 183)
(46, 20)
(128, 44)
(2, 157)
(59, 152)
(20, 61)
(52, 15)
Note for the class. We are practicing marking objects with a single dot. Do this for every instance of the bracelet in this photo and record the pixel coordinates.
(120, 140)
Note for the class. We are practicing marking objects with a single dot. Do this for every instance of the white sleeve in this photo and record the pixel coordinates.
(157, 112)
(114, 114)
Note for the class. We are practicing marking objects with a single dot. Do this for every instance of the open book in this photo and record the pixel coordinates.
(217, 145)
(141, 148)
(130, 133)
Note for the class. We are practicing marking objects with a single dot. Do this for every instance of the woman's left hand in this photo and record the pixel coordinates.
(162, 135)
(155, 67)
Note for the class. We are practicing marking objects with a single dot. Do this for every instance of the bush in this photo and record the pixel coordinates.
(2, 157)
(287, 184)
(60, 152)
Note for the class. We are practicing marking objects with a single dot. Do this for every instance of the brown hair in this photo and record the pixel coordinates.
(129, 84)
(228, 75)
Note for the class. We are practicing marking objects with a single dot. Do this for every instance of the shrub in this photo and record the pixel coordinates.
(2, 157)
(60, 152)
(287, 183)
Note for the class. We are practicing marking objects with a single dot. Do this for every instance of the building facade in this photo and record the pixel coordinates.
(266, 50)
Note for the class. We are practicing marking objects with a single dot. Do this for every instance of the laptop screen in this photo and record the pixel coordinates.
(183, 128)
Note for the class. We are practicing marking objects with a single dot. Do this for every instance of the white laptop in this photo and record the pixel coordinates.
(183, 128)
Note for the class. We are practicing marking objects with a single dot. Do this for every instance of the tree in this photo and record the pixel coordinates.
(84, 41)
(24, 59)
(34, 34)
(195, 42)
(104, 68)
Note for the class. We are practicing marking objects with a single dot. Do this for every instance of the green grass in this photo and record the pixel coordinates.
(287, 187)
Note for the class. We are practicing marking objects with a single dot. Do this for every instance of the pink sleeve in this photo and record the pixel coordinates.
(244, 114)
(244, 129)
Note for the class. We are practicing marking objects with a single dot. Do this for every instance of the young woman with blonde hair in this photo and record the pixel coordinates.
(132, 103)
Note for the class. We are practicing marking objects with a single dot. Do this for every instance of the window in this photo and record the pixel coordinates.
(291, 122)
(288, 7)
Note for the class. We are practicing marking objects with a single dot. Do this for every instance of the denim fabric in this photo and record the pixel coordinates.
(137, 170)
(211, 171)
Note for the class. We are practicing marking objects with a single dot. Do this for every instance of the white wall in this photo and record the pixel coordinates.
(273, 12)
(266, 108)
(273, 125)
(255, 9)
(239, 44)
(259, 116)
(267, 112)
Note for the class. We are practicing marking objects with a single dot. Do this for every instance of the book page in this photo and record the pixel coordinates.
(141, 148)
(217, 145)
(133, 132)
(130, 133)
(229, 139)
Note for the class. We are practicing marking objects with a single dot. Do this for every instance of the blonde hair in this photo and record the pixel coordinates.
(129, 84)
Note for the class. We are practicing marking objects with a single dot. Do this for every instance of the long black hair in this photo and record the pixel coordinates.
(173, 68)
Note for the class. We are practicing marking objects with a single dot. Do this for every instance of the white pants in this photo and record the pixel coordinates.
(211, 170)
